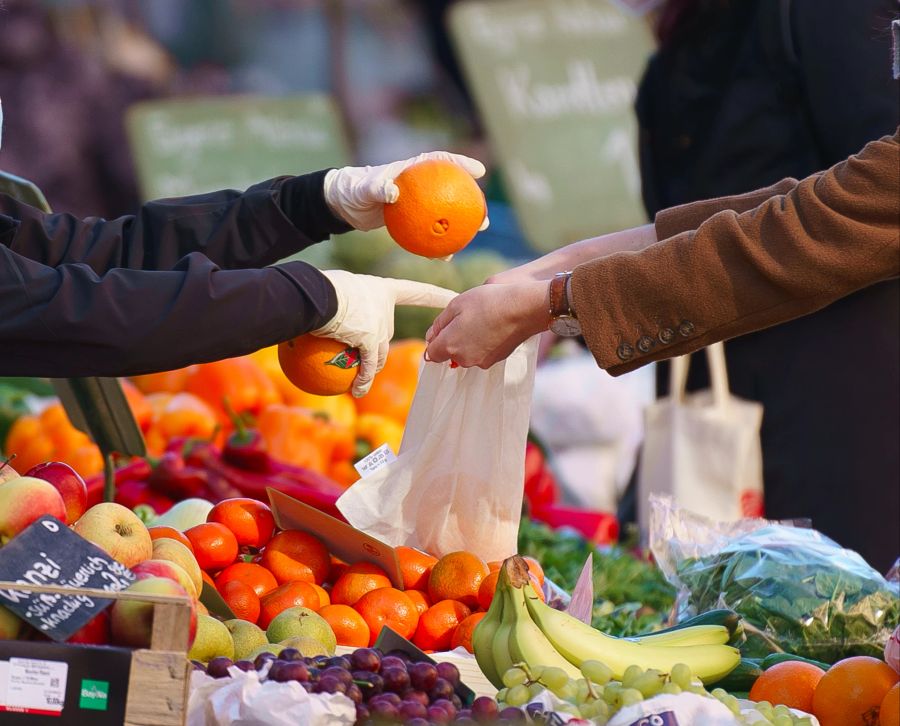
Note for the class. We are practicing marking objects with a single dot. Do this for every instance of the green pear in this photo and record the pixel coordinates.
(213, 639)
(309, 647)
(301, 621)
(247, 637)
(273, 648)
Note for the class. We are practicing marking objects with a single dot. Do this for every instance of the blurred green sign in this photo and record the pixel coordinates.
(555, 82)
(199, 145)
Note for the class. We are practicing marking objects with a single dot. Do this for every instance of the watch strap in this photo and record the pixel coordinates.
(559, 297)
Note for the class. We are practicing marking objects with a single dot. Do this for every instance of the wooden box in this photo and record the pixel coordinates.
(158, 678)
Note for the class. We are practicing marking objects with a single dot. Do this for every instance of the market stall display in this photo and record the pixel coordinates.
(289, 614)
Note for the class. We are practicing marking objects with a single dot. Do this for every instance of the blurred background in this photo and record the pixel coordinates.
(111, 102)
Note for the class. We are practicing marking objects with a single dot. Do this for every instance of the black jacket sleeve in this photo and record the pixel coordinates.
(844, 50)
(269, 221)
(171, 286)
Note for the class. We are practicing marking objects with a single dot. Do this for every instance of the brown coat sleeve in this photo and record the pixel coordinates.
(831, 234)
(686, 217)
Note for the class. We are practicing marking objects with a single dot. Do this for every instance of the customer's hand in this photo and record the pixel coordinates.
(357, 194)
(365, 316)
(485, 324)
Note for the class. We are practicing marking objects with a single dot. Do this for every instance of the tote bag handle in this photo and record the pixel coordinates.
(678, 372)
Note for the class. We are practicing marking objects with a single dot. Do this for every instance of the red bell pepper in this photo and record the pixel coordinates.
(173, 478)
(307, 486)
(132, 492)
(246, 448)
(137, 469)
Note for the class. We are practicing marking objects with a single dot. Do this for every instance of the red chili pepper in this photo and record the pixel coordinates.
(174, 478)
(255, 487)
(245, 448)
(132, 492)
(137, 469)
(307, 486)
(305, 477)
(220, 475)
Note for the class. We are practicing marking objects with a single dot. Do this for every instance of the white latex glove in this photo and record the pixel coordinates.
(365, 316)
(357, 194)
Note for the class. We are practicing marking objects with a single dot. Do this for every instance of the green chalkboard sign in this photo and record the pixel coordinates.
(190, 146)
(555, 83)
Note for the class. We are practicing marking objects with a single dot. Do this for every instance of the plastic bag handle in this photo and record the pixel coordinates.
(678, 372)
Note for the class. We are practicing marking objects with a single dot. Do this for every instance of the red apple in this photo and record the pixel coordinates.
(93, 632)
(164, 568)
(116, 530)
(68, 483)
(132, 620)
(24, 500)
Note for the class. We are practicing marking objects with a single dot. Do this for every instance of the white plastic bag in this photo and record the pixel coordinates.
(669, 710)
(703, 449)
(457, 483)
(593, 424)
(243, 700)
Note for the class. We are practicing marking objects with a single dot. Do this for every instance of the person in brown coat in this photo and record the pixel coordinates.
(724, 267)
(717, 273)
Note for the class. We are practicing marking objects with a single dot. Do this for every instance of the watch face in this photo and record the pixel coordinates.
(565, 326)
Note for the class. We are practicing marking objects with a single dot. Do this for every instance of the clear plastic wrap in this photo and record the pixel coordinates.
(797, 590)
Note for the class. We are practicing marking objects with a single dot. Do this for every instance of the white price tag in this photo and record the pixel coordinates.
(374, 461)
(35, 686)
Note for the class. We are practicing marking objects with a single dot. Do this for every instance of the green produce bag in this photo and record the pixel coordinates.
(797, 590)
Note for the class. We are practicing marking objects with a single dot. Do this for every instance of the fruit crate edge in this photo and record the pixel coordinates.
(159, 680)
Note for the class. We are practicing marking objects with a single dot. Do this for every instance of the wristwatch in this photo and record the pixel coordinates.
(563, 321)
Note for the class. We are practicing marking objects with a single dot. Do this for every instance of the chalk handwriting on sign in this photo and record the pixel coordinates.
(555, 83)
(200, 145)
(49, 553)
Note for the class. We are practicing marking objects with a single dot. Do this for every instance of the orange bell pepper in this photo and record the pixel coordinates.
(185, 415)
(29, 442)
(55, 422)
(86, 460)
(165, 382)
(343, 473)
(296, 436)
(137, 402)
(394, 387)
(239, 381)
(375, 430)
(50, 436)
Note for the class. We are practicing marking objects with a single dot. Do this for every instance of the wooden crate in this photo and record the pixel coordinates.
(159, 680)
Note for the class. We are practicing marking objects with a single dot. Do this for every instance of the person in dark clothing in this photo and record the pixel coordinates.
(186, 280)
(741, 94)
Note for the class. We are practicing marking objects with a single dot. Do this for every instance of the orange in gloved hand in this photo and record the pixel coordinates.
(439, 211)
(317, 365)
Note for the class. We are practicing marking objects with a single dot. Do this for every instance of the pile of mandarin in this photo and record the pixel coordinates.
(260, 572)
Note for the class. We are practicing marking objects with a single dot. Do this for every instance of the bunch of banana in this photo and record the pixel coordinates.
(520, 628)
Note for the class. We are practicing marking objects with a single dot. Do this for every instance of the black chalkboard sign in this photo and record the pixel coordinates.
(49, 553)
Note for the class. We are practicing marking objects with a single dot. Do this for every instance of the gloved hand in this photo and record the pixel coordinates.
(357, 194)
(365, 316)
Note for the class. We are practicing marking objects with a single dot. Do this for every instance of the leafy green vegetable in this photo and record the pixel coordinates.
(798, 592)
(631, 596)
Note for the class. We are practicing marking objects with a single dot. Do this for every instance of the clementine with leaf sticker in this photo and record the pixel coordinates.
(321, 366)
